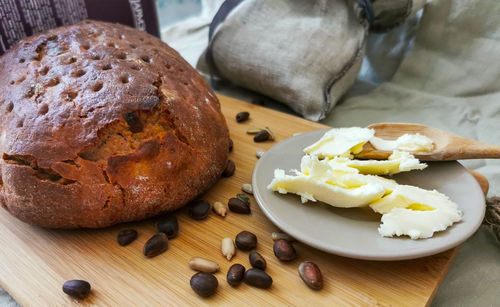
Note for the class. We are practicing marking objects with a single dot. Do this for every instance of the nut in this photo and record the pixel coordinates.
(204, 284)
(231, 145)
(199, 209)
(271, 135)
(76, 288)
(229, 170)
(156, 245)
(281, 235)
(246, 241)
(126, 236)
(262, 136)
(219, 208)
(168, 225)
(258, 278)
(259, 153)
(243, 198)
(235, 274)
(203, 265)
(242, 116)
(247, 188)
(228, 248)
(284, 250)
(257, 261)
(311, 275)
(238, 206)
(254, 130)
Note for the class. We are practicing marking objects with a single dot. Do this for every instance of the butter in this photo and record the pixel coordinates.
(318, 181)
(310, 164)
(398, 161)
(415, 212)
(406, 142)
(340, 142)
(340, 181)
(341, 174)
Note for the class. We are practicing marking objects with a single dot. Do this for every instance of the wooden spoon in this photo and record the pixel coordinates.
(447, 146)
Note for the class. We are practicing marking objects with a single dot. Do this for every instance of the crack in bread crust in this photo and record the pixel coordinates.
(178, 133)
(40, 173)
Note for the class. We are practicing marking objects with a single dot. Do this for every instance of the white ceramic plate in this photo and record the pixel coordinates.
(353, 232)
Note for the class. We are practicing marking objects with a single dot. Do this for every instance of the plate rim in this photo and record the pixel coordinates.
(348, 253)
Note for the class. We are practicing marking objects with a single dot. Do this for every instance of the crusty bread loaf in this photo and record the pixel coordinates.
(100, 124)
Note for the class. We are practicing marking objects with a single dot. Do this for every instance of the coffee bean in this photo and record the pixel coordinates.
(199, 209)
(235, 274)
(311, 275)
(284, 250)
(168, 225)
(126, 236)
(133, 122)
(76, 288)
(246, 241)
(156, 245)
(257, 261)
(238, 206)
(258, 278)
(229, 170)
(247, 188)
(242, 116)
(231, 144)
(204, 284)
(243, 198)
(261, 136)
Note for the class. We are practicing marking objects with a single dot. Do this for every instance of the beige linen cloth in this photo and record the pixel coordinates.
(449, 80)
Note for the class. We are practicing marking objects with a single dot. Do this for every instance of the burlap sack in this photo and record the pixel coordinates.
(304, 53)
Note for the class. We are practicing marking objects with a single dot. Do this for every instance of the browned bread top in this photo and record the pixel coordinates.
(101, 123)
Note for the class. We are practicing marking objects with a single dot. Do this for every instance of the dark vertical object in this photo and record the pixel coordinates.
(219, 17)
(140, 14)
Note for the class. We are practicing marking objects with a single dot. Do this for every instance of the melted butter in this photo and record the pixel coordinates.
(420, 207)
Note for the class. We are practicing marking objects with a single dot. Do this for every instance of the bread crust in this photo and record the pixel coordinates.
(100, 124)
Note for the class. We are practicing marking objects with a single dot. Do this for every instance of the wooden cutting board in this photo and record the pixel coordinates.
(35, 262)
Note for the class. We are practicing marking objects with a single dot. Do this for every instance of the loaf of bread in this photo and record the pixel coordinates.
(100, 124)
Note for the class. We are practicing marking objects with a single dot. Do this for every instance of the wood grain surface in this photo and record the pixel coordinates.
(35, 262)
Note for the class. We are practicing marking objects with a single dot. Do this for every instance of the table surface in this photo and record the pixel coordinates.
(35, 262)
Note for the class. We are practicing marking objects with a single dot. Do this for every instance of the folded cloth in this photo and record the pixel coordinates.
(305, 54)
(392, 13)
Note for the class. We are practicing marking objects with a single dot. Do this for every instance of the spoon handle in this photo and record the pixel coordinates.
(466, 150)
(480, 151)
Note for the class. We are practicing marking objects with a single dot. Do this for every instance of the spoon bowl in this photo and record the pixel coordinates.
(447, 146)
